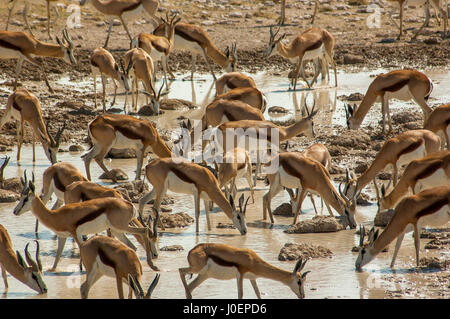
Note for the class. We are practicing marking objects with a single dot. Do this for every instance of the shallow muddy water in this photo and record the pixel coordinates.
(329, 278)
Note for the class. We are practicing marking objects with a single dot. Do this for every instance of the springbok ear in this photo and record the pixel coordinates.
(227, 52)
(189, 125)
(305, 273)
(232, 202)
(241, 201)
(383, 191)
(20, 260)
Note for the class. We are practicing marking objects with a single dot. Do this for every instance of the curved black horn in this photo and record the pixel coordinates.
(59, 133)
(153, 285)
(36, 266)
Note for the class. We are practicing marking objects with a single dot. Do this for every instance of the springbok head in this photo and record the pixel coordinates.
(273, 42)
(67, 47)
(50, 144)
(349, 112)
(28, 193)
(239, 215)
(310, 116)
(231, 57)
(365, 255)
(298, 280)
(155, 99)
(124, 74)
(32, 270)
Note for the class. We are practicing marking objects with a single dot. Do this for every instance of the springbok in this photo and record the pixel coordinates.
(107, 256)
(430, 207)
(439, 122)
(29, 273)
(225, 262)
(184, 177)
(403, 85)
(85, 218)
(122, 131)
(23, 106)
(104, 64)
(22, 46)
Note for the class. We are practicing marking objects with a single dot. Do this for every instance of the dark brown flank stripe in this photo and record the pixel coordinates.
(397, 86)
(229, 115)
(132, 7)
(94, 63)
(412, 147)
(222, 262)
(17, 106)
(185, 35)
(432, 208)
(181, 175)
(58, 184)
(314, 46)
(447, 122)
(128, 133)
(158, 47)
(231, 85)
(289, 169)
(91, 216)
(241, 166)
(105, 259)
(8, 45)
(429, 170)
(84, 197)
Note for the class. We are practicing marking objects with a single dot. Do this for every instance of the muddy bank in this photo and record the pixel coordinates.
(177, 220)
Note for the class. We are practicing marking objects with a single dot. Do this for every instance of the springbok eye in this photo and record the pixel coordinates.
(239, 217)
(346, 213)
(363, 251)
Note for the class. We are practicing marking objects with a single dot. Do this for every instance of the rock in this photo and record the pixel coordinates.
(121, 153)
(363, 200)
(236, 15)
(318, 224)
(437, 244)
(406, 117)
(177, 220)
(7, 196)
(172, 248)
(361, 168)
(119, 174)
(278, 109)
(353, 59)
(146, 110)
(431, 41)
(225, 226)
(352, 97)
(76, 148)
(13, 184)
(383, 217)
(434, 262)
(292, 251)
(133, 190)
(284, 209)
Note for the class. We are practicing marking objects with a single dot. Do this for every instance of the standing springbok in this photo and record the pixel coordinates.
(159, 47)
(104, 64)
(311, 44)
(23, 106)
(235, 165)
(124, 10)
(142, 70)
(25, 11)
(233, 80)
(84, 190)
(403, 85)
(85, 218)
(29, 273)
(195, 39)
(250, 95)
(439, 122)
(225, 262)
(320, 153)
(396, 152)
(307, 175)
(423, 173)
(436, 4)
(107, 256)
(22, 46)
(184, 177)
(122, 131)
(430, 207)
(54, 181)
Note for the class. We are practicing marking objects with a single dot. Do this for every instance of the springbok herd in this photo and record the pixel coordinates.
(419, 197)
